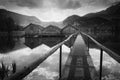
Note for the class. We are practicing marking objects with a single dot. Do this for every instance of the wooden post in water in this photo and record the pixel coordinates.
(101, 60)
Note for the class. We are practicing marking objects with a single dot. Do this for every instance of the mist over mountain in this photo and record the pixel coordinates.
(19, 19)
(24, 20)
(58, 24)
(71, 19)
(91, 18)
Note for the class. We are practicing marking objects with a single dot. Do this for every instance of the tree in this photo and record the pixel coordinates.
(117, 28)
(6, 27)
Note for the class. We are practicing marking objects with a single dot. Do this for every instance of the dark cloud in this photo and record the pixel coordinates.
(74, 4)
(21, 3)
(103, 2)
(62, 4)
(69, 4)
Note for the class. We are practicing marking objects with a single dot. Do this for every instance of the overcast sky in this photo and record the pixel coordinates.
(55, 10)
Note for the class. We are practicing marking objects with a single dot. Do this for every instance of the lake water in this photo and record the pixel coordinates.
(35, 48)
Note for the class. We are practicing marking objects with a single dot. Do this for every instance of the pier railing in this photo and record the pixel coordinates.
(102, 48)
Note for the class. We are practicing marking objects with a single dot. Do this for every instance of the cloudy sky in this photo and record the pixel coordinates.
(55, 10)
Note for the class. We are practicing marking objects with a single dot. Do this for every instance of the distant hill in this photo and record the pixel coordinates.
(89, 19)
(24, 20)
(71, 19)
(77, 21)
(112, 11)
(19, 19)
(102, 17)
(58, 24)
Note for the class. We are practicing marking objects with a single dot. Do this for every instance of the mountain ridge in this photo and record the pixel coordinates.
(20, 19)
(25, 20)
(102, 17)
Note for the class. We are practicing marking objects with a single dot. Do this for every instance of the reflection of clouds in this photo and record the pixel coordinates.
(40, 49)
(15, 55)
(107, 60)
(54, 59)
(25, 52)
(46, 72)
(25, 55)
(95, 55)
(41, 74)
(49, 68)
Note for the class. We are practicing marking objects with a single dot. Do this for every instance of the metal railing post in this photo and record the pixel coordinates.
(60, 60)
(101, 60)
(60, 63)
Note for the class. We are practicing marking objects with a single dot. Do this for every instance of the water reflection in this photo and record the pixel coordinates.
(33, 42)
(23, 56)
(49, 41)
(111, 68)
(49, 69)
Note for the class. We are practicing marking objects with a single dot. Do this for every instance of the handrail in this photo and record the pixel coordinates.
(21, 74)
(110, 52)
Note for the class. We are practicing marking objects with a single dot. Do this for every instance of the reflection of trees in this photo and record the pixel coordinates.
(6, 27)
(6, 24)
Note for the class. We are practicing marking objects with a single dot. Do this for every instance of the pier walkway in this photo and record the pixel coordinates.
(79, 65)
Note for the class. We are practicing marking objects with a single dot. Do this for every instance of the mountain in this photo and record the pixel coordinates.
(102, 17)
(24, 20)
(77, 21)
(19, 19)
(58, 24)
(71, 19)
(112, 11)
